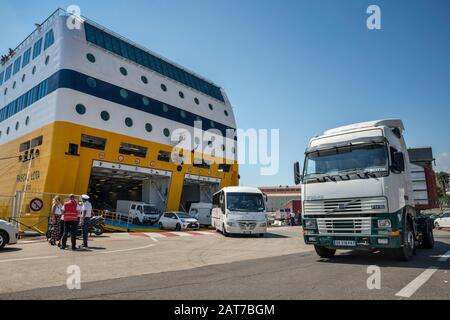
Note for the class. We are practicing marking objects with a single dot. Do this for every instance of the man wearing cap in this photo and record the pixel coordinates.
(86, 213)
(70, 222)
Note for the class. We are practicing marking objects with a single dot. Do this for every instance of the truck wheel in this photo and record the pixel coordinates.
(178, 227)
(324, 252)
(3, 239)
(406, 252)
(428, 239)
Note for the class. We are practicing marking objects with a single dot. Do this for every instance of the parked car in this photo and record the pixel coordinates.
(443, 221)
(178, 221)
(8, 234)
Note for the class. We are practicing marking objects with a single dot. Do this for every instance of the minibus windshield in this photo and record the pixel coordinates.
(245, 202)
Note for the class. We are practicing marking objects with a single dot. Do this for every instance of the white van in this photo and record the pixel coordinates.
(138, 212)
(202, 212)
(239, 210)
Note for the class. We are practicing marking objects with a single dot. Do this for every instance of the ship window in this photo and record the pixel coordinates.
(17, 125)
(27, 121)
(73, 149)
(200, 163)
(8, 73)
(213, 125)
(224, 167)
(181, 94)
(34, 70)
(226, 113)
(166, 132)
(17, 65)
(49, 39)
(163, 87)
(183, 114)
(91, 82)
(23, 77)
(165, 108)
(24, 146)
(37, 48)
(123, 71)
(90, 57)
(47, 59)
(1, 78)
(26, 57)
(128, 122)
(36, 142)
(211, 107)
(6, 91)
(133, 150)
(14, 85)
(124, 93)
(92, 142)
(148, 127)
(164, 156)
(196, 101)
(81, 109)
(144, 79)
(7, 130)
(146, 101)
(104, 115)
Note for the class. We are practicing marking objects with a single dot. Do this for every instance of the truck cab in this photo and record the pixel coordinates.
(240, 210)
(357, 191)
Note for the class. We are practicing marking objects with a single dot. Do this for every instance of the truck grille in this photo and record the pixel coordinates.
(344, 226)
(247, 225)
(342, 206)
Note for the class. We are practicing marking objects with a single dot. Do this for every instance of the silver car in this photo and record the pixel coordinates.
(8, 234)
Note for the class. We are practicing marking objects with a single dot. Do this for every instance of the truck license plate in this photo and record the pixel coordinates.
(344, 243)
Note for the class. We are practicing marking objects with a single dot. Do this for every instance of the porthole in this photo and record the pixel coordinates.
(165, 108)
(23, 77)
(17, 125)
(181, 94)
(123, 71)
(7, 130)
(223, 147)
(14, 85)
(104, 115)
(47, 59)
(91, 82)
(144, 79)
(163, 87)
(90, 57)
(6, 91)
(81, 109)
(166, 132)
(197, 102)
(197, 140)
(34, 70)
(183, 114)
(129, 122)
(145, 101)
(226, 113)
(211, 107)
(27, 121)
(148, 127)
(124, 93)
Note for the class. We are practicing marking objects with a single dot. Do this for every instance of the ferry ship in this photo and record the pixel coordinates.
(85, 110)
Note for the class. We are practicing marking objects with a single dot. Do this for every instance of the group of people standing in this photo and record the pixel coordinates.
(65, 219)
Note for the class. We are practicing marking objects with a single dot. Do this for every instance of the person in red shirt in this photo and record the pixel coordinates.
(70, 222)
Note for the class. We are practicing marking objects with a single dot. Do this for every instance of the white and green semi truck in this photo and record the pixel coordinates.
(357, 192)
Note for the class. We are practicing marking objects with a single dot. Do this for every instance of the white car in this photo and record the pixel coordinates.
(178, 221)
(443, 221)
(8, 234)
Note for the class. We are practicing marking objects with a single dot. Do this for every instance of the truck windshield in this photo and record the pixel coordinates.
(245, 202)
(150, 210)
(345, 160)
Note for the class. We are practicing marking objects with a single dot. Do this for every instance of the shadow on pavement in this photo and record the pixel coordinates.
(423, 259)
(10, 249)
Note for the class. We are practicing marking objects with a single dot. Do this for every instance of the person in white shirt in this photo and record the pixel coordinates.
(56, 215)
(86, 214)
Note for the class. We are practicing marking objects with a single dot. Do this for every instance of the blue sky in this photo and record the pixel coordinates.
(299, 66)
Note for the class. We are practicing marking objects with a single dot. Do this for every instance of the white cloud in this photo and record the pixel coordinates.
(443, 162)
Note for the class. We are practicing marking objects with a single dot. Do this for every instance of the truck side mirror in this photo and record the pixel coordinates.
(399, 161)
(297, 176)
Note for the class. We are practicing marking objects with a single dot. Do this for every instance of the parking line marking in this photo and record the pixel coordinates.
(169, 234)
(131, 249)
(26, 259)
(208, 233)
(155, 235)
(414, 285)
(182, 234)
